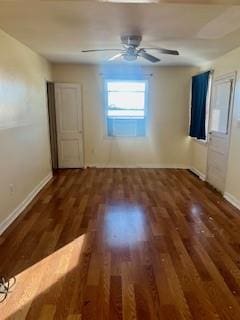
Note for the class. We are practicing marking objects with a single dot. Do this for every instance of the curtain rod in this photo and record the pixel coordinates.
(210, 70)
(120, 75)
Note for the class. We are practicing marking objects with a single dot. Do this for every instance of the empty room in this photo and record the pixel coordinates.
(120, 159)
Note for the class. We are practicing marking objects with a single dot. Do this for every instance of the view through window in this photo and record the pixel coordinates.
(125, 107)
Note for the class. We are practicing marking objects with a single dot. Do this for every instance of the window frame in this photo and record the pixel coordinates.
(105, 105)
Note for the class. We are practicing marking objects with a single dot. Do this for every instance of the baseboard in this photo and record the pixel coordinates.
(143, 166)
(230, 198)
(9, 220)
(198, 173)
(234, 201)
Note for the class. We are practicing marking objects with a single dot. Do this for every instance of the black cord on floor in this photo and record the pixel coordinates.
(5, 287)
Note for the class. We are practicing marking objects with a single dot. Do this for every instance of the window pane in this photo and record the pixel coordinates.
(125, 110)
(126, 127)
(126, 100)
(126, 86)
(221, 107)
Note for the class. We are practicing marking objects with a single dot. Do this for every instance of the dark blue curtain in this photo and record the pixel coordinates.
(198, 105)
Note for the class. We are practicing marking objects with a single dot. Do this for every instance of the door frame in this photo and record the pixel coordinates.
(81, 101)
(228, 76)
(52, 126)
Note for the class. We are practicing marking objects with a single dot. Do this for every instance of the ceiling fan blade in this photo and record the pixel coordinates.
(100, 50)
(164, 51)
(148, 56)
(115, 57)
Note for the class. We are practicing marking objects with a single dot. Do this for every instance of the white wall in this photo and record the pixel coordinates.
(166, 144)
(24, 141)
(226, 64)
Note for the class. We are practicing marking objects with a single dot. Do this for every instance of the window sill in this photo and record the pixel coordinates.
(124, 137)
(202, 142)
(126, 118)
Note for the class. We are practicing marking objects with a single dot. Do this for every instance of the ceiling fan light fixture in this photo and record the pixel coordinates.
(129, 57)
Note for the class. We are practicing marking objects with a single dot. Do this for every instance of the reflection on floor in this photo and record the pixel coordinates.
(124, 244)
(124, 225)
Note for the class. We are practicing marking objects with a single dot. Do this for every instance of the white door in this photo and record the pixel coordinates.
(219, 130)
(69, 125)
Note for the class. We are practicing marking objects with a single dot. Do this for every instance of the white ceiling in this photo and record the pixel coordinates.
(59, 30)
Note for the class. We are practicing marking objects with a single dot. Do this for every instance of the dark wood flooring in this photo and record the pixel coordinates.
(125, 244)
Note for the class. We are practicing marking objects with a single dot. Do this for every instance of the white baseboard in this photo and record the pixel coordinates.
(9, 220)
(198, 173)
(143, 166)
(234, 201)
(230, 198)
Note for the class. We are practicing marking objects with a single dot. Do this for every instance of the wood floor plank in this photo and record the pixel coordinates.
(125, 244)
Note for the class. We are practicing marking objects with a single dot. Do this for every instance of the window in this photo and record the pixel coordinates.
(125, 107)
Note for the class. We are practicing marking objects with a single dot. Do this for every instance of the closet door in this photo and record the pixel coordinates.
(69, 125)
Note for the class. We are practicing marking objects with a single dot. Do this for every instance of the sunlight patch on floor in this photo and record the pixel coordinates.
(39, 278)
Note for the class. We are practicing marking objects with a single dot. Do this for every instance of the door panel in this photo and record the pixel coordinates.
(221, 106)
(71, 151)
(218, 143)
(216, 160)
(69, 110)
(215, 180)
(69, 125)
(219, 135)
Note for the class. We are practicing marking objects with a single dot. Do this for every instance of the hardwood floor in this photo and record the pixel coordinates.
(125, 244)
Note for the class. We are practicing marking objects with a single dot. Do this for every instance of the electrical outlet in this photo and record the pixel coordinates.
(12, 189)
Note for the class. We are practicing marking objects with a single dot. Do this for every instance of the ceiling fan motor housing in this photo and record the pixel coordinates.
(133, 41)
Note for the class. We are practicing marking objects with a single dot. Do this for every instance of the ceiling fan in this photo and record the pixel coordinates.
(131, 50)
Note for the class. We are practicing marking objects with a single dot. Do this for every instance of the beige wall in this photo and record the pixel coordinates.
(166, 144)
(24, 142)
(226, 64)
